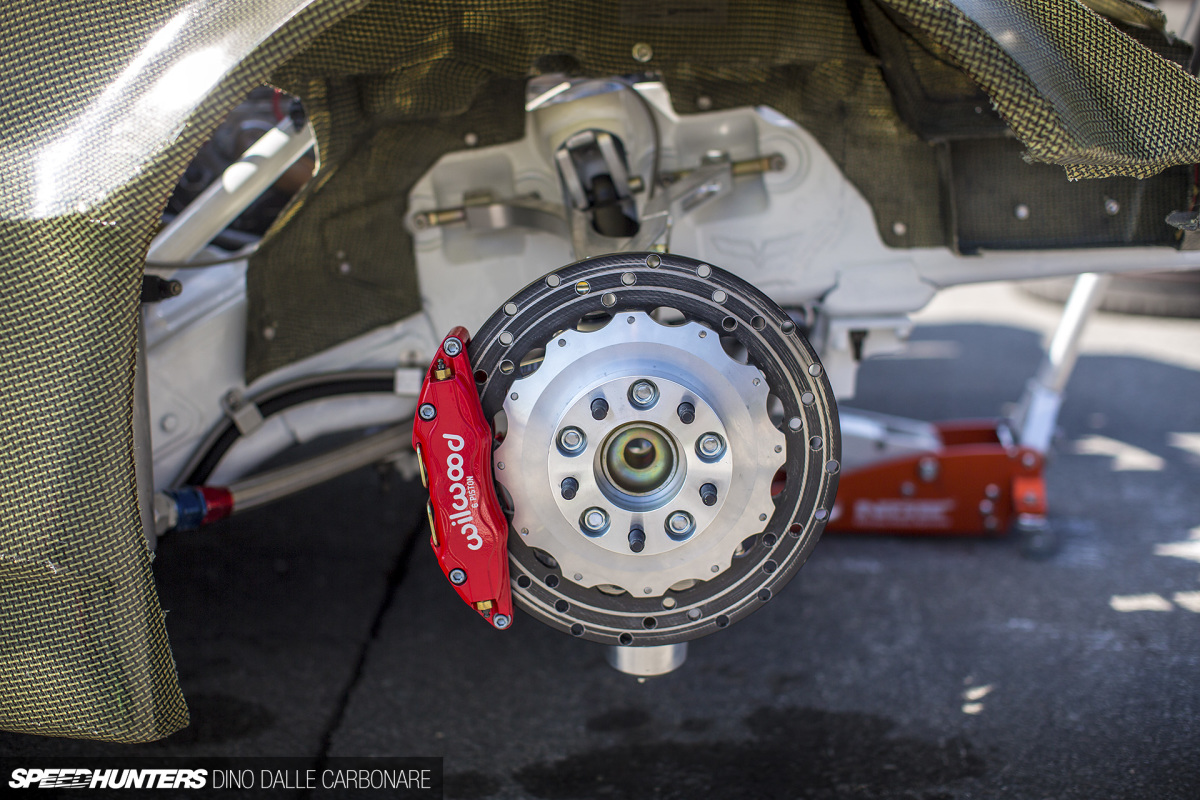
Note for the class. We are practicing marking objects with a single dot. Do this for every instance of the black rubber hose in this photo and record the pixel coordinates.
(273, 405)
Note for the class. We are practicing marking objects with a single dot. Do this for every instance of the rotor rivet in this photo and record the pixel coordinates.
(680, 525)
(637, 540)
(708, 493)
(427, 411)
(594, 521)
(643, 394)
(571, 441)
(687, 413)
(569, 488)
(458, 577)
(599, 408)
(452, 346)
(710, 447)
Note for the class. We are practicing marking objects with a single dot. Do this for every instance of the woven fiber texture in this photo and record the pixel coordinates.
(397, 85)
(83, 645)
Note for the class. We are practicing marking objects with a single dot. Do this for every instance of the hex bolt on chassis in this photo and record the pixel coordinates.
(652, 495)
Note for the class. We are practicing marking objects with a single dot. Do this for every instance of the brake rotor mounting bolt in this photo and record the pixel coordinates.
(599, 408)
(708, 493)
(458, 577)
(569, 487)
(637, 540)
(452, 346)
(594, 521)
(643, 394)
(687, 413)
(710, 446)
(680, 524)
(572, 441)
(427, 411)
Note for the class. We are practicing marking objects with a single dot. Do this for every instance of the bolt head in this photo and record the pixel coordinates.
(679, 524)
(710, 446)
(643, 394)
(594, 521)
(458, 577)
(427, 411)
(501, 621)
(452, 346)
(571, 440)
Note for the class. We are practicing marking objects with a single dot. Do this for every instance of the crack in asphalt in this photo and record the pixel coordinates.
(395, 577)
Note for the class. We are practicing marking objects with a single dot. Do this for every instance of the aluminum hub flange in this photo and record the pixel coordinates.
(681, 538)
(626, 496)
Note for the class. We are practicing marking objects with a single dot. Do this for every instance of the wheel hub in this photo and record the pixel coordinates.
(663, 480)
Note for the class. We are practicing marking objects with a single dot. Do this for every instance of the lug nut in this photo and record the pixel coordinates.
(427, 411)
(571, 441)
(458, 577)
(637, 540)
(687, 413)
(708, 493)
(452, 346)
(710, 447)
(680, 525)
(594, 521)
(643, 394)
(569, 487)
(599, 408)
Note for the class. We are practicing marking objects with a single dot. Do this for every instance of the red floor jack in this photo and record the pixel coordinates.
(976, 477)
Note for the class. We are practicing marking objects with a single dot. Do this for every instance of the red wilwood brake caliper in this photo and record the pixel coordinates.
(453, 440)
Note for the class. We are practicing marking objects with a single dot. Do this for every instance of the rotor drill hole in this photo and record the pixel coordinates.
(729, 324)
(562, 606)
(524, 582)
(649, 623)
(626, 639)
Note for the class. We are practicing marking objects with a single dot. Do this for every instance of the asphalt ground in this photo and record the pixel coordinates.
(889, 668)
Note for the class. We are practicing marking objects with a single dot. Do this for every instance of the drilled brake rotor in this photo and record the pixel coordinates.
(655, 497)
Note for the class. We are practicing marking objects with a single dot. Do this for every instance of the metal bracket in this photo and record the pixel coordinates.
(243, 412)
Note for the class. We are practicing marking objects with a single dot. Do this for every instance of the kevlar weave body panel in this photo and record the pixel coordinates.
(83, 645)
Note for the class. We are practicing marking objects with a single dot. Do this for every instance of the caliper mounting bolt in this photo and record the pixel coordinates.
(452, 346)
(458, 577)
(427, 411)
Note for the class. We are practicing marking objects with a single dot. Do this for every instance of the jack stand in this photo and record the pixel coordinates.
(975, 477)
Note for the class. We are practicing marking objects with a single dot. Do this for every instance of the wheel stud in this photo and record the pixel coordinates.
(571, 441)
(708, 493)
(637, 540)
(599, 408)
(569, 488)
(687, 413)
(594, 521)
(643, 394)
